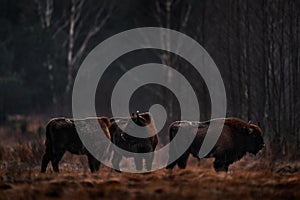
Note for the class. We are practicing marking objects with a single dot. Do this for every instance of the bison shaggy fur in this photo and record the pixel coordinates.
(129, 143)
(62, 136)
(237, 138)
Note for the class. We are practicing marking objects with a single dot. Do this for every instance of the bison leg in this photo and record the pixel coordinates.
(182, 161)
(55, 160)
(149, 160)
(138, 160)
(116, 161)
(172, 165)
(94, 164)
(220, 165)
(173, 154)
(45, 161)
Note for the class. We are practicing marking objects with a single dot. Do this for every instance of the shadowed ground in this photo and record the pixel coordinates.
(192, 183)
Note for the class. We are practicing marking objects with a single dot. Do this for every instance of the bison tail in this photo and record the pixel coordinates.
(173, 154)
(48, 136)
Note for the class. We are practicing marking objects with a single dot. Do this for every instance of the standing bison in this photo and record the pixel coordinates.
(61, 136)
(237, 138)
(127, 142)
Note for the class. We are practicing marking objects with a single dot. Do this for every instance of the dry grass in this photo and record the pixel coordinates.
(253, 177)
(191, 183)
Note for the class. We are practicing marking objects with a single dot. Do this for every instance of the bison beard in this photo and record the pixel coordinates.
(61, 136)
(237, 138)
(133, 144)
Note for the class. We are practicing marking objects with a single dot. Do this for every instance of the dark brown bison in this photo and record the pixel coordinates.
(237, 138)
(133, 144)
(61, 136)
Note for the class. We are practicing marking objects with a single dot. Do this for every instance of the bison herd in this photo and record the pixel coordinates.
(236, 139)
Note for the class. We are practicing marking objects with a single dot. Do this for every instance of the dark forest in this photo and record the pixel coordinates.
(255, 45)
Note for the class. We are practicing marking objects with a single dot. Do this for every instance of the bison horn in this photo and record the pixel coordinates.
(251, 130)
(250, 122)
(248, 129)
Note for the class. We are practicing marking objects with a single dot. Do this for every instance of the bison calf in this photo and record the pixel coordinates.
(237, 138)
(61, 136)
(133, 144)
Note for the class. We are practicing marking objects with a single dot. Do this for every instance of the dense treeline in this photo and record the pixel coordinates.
(255, 44)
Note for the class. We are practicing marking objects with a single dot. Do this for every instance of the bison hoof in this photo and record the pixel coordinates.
(181, 165)
(220, 167)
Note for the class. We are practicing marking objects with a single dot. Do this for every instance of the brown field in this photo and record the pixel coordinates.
(254, 177)
(192, 183)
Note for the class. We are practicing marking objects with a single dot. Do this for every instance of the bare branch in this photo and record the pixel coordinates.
(48, 12)
(158, 13)
(186, 17)
(90, 34)
(93, 31)
(78, 10)
(60, 27)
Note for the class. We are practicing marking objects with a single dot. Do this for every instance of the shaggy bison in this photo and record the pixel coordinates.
(133, 144)
(237, 138)
(61, 136)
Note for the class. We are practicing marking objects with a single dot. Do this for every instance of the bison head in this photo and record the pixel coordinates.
(132, 124)
(141, 119)
(254, 138)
